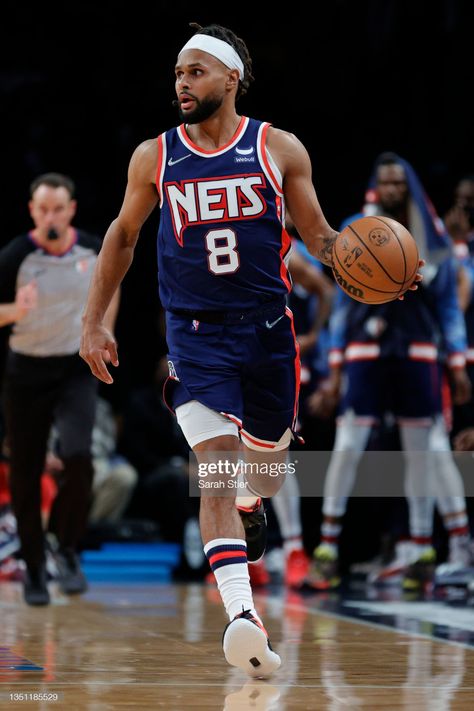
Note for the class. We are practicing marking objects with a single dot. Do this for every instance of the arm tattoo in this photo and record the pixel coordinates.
(325, 254)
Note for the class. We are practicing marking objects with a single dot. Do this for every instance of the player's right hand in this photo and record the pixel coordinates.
(99, 347)
(418, 278)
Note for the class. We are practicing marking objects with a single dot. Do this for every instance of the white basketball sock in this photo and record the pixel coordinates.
(286, 504)
(228, 560)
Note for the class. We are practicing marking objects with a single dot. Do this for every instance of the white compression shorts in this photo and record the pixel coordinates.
(199, 423)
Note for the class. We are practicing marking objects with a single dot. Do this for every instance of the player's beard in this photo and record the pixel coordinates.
(204, 109)
(394, 207)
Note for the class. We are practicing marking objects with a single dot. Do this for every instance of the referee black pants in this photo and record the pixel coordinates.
(39, 391)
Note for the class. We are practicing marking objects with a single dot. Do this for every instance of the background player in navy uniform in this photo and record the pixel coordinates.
(459, 222)
(222, 181)
(391, 356)
(44, 278)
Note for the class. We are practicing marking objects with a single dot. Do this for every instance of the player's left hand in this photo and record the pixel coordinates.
(418, 278)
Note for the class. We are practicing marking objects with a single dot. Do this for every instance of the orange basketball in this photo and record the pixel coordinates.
(375, 259)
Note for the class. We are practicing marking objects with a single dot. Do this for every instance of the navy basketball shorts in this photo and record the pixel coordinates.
(409, 389)
(247, 372)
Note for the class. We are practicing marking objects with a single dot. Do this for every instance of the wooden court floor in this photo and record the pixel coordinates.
(150, 647)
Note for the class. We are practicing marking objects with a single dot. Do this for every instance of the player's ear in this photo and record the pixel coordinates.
(72, 208)
(233, 79)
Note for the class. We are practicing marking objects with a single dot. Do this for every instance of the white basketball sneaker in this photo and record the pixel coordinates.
(246, 645)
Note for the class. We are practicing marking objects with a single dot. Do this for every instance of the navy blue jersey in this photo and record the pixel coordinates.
(221, 239)
(465, 256)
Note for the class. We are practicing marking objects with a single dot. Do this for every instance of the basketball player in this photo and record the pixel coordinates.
(460, 223)
(459, 220)
(391, 358)
(222, 181)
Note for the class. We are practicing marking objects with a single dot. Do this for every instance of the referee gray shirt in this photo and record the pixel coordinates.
(53, 328)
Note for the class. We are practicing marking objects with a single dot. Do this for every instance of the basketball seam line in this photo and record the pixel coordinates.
(401, 247)
(395, 281)
(372, 288)
(416, 267)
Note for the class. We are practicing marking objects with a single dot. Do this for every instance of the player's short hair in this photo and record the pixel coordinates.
(54, 180)
(226, 35)
(387, 158)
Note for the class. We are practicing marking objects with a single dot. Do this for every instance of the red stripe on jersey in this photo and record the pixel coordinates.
(263, 149)
(233, 419)
(168, 380)
(285, 246)
(159, 165)
(297, 366)
(197, 148)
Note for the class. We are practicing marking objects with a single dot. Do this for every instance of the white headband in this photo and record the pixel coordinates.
(219, 49)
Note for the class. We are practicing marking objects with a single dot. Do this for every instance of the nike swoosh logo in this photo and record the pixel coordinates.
(244, 151)
(172, 162)
(270, 325)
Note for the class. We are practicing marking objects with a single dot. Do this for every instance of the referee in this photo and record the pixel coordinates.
(44, 279)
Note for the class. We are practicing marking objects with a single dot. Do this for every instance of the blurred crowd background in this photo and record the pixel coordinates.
(83, 83)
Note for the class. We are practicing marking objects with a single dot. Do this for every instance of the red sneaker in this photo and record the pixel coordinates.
(259, 575)
(296, 568)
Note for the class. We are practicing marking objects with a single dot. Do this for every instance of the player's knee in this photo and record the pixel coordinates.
(351, 434)
(439, 440)
(262, 445)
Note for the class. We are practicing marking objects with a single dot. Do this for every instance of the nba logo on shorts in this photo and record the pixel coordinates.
(172, 370)
(195, 325)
